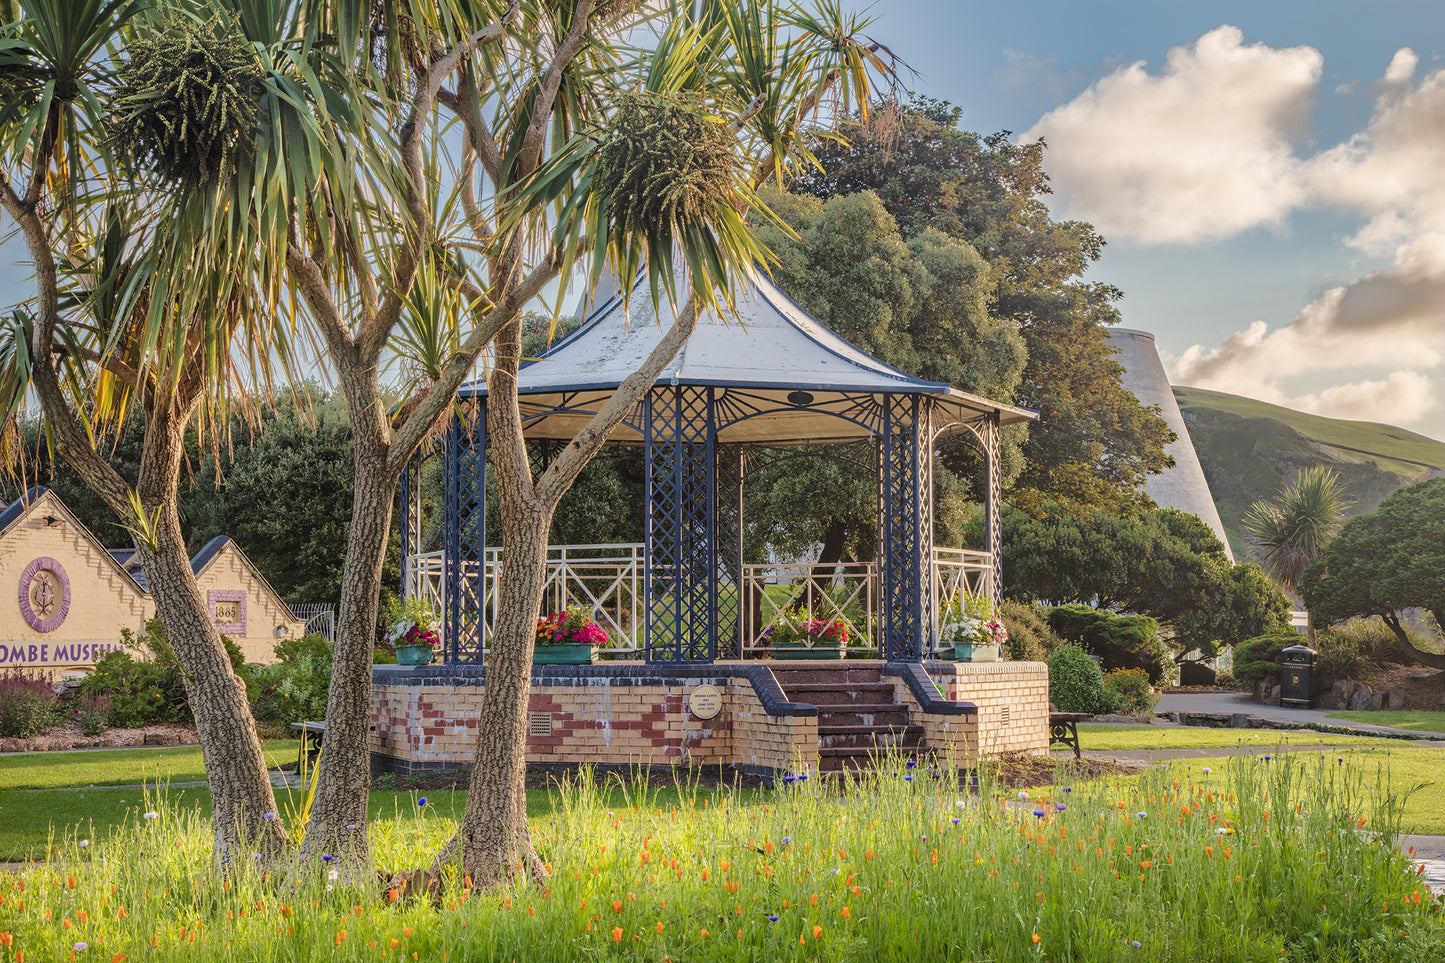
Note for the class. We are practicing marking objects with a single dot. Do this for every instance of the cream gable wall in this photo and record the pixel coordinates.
(103, 599)
(230, 570)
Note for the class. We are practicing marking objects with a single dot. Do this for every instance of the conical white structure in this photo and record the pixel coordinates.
(1183, 486)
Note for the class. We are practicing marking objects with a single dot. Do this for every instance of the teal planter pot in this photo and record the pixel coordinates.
(563, 653)
(413, 655)
(969, 652)
(817, 652)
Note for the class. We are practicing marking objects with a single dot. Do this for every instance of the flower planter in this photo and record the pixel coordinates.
(799, 651)
(563, 653)
(970, 652)
(413, 655)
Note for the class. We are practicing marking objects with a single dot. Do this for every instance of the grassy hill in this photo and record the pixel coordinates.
(1249, 449)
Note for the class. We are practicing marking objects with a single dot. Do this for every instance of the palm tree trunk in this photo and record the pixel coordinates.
(241, 793)
(338, 813)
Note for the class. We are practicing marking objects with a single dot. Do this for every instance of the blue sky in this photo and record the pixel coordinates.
(1270, 177)
(1273, 195)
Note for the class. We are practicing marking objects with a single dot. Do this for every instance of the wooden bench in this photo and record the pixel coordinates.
(1063, 729)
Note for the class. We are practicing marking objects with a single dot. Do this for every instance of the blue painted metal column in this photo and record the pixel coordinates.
(905, 467)
(680, 590)
(464, 536)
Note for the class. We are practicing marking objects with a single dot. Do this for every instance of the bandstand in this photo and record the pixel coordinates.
(740, 391)
(689, 677)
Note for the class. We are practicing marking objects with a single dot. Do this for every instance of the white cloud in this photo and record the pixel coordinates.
(1203, 149)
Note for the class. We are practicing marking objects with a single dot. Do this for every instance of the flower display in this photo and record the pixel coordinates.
(417, 623)
(573, 624)
(970, 619)
(796, 626)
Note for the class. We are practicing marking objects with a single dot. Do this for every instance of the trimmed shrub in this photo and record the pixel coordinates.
(295, 687)
(28, 705)
(1136, 695)
(1258, 658)
(1121, 641)
(1076, 683)
(1029, 637)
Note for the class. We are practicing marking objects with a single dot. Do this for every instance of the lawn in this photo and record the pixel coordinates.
(901, 867)
(118, 767)
(1420, 721)
(1118, 738)
(1395, 769)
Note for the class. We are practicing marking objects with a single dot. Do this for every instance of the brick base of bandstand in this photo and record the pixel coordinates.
(624, 715)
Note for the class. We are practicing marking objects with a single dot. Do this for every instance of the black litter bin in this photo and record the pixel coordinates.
(1296, 676)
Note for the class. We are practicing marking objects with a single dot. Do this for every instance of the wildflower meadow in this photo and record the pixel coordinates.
(1276, 859)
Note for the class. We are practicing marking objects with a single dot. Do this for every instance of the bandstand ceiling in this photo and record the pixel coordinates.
(752, 362)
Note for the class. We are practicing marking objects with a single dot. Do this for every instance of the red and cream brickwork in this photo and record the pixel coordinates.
(425, 718)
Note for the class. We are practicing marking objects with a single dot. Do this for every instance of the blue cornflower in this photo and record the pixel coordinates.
(1061, 806)
(787, 840)
(327, 858)
(1039, 813)
(1142, 815)
(772, 919)
(421, 802)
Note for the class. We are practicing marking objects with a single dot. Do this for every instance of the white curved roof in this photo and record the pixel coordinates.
(770, 349)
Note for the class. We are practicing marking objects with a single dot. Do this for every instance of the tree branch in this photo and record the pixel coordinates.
(372, 334)
(438, 395)
(318, 298)
(571, 46)
(586, 443)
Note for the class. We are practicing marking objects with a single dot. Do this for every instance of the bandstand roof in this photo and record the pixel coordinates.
(754, 361)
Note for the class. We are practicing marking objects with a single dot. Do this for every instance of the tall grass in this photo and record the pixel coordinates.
(1286, 859)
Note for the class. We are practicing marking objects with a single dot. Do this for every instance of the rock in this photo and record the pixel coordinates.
(1116, 718)
(1196, 673)
(1394, 699)
(156, 739)
(1339, 695)
(1360, 699)
(1271, 697)
(1239, 720)
(1377, 700)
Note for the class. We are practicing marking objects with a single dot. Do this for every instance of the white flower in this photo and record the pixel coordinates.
(84, 843)
(152, 815)
(1023, 794)
(333, 875)
(1207, 770)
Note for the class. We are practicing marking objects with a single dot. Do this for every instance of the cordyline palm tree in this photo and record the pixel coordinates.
(153, 299)
(541, 93)
(1289, 531)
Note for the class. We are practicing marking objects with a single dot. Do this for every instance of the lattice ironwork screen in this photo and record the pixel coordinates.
(465, 537)
(906, 538)
(680, 600)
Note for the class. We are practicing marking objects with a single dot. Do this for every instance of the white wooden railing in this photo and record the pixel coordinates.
(608, 581)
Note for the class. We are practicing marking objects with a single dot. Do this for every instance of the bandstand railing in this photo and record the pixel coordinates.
(608, 581)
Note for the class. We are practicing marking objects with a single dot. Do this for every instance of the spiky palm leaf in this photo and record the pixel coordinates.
(1289, 531)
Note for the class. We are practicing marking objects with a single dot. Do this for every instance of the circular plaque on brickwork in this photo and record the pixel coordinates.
(44, 594)
(705, 701)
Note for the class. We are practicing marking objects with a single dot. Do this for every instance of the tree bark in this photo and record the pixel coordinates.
(338, 813)
(241, 793)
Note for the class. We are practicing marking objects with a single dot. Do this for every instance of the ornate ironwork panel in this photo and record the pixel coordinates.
(728, 529)
(409, 520)
(680, 591)
(465, 537)
(991, 438)
(906, 536)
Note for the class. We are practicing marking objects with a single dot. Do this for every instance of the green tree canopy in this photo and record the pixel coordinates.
(1094, 442)
(1385, 563)
(1161, 563)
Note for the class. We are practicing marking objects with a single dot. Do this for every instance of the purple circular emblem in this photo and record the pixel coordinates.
(44, 594)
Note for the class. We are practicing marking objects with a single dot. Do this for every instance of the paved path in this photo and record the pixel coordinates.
(1237, 703)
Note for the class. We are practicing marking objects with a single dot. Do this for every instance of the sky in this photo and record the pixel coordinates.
(1269, 177)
